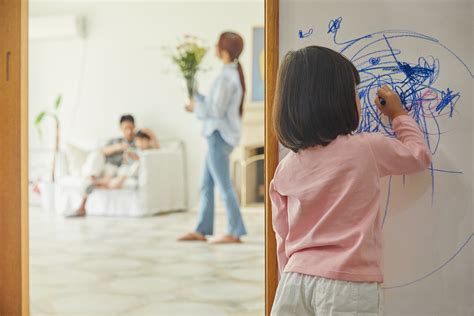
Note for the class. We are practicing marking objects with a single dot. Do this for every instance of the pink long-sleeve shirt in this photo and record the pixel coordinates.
(326, 201)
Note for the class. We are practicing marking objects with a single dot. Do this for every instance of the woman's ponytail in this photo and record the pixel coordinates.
(242, 83)
(233, 43)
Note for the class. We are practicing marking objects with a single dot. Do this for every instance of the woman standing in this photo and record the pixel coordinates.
(221, 113)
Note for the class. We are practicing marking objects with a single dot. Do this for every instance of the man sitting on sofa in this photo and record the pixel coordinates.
(114, 153)
(115, 148)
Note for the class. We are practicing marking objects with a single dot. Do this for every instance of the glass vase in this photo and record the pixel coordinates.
(191, 87)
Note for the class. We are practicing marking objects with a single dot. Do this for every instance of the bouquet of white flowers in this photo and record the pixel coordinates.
(188, 56)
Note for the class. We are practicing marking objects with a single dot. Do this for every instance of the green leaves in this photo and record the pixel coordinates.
(54, 114)
(40, 117)
(57, 103)
(38, 120)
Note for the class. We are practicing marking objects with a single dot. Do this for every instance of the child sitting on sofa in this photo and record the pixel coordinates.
(117, 177)
(127, 174)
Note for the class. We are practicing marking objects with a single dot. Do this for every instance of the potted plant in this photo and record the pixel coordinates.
(188, 56)
(46, 187)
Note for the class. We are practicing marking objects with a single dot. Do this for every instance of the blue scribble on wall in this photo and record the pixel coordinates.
(379, 63)
(306, 34)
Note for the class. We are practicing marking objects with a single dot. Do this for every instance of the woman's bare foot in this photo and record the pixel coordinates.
(194, 236)
(227, 239)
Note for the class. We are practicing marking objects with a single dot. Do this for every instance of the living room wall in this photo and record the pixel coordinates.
(120, 67)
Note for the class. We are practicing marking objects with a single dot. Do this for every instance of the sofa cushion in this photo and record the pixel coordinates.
(76, 157)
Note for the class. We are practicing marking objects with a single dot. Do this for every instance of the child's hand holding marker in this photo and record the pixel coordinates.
(389, 103)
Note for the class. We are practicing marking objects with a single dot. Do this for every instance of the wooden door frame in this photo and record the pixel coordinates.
(14, 254)
(14, 279)
(271, 145)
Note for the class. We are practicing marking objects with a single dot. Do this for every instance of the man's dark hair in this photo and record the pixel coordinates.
(315, 98)
(141, 134)
(127, 118)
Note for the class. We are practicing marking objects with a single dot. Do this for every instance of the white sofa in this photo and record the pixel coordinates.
(161, 186)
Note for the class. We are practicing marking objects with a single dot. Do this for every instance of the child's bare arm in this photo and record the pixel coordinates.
(114, 148)
(133, 156)
(153, 139)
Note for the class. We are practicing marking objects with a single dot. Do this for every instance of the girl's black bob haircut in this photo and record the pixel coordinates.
(315, 98)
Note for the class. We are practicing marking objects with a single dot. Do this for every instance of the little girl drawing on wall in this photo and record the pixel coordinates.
(326, 192)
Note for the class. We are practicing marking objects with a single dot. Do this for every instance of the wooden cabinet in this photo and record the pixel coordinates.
(247, 158)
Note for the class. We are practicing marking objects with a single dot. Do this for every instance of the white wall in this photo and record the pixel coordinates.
(121, 68)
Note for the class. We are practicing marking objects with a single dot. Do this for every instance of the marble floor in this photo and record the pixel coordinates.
(121, 266)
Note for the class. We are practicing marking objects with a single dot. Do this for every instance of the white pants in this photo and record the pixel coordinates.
(301, 295)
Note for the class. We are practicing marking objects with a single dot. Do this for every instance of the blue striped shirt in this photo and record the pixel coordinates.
(219, 110)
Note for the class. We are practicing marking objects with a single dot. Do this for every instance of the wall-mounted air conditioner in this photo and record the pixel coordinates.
(57, 27)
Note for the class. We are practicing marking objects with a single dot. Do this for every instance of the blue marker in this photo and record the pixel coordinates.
(382, 101)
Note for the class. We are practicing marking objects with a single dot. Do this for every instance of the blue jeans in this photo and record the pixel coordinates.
(216, 172)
